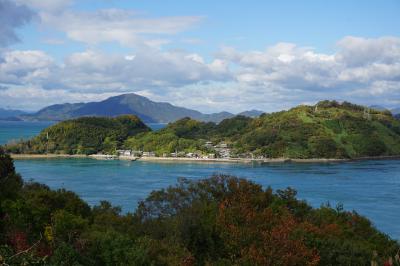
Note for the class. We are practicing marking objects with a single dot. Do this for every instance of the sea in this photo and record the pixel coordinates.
(371, 188)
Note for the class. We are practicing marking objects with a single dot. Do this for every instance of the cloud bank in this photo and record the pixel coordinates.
(362, 70)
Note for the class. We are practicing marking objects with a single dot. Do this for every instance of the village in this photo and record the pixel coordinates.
(220, 150)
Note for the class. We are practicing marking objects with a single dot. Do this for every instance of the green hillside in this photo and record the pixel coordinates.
(326, 130)
(86, 135)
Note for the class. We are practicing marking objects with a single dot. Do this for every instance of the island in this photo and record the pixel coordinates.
(327, 131)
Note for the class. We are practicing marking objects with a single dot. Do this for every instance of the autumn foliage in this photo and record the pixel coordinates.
(222, 220)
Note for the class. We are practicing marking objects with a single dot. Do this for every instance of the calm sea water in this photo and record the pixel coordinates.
(372, 188)
(16, 130)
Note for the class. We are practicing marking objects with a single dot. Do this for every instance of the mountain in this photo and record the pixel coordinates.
(326, 130)
(84, 135)
(56, 112)
(149, 111)
(334, 130)
(395, 111)
(251, 113)
(9, 113)
(378, 107)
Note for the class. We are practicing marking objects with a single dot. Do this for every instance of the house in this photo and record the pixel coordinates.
(225, 153)
(209, 156)
(222, 145)
(208, 144)
(192, 155)
(148, 154)
(136, 153)
(124, 152)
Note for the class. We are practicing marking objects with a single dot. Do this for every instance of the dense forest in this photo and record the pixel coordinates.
(326, 130)
(85, 135)
(222, 220)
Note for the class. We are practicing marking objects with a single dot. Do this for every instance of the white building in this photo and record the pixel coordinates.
(148, 154)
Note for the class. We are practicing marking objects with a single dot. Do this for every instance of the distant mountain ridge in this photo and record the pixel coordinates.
(9, 113)
(394, 111)
(147, 110)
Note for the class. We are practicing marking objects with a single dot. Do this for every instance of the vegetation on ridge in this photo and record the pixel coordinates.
(85, 135)
(326, 130)
(222, 220)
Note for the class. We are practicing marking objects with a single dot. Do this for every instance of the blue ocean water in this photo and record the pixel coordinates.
(16, 130)
(372, 188)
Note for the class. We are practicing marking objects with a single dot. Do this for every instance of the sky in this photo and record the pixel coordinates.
(207, 55)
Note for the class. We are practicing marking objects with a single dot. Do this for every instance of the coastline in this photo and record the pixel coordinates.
(45, 156)
(200, 160)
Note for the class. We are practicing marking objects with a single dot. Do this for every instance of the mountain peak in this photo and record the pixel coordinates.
(129, 103)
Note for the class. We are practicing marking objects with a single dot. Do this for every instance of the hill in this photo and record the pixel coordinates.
(326, 130)
(56, 112)
(85, 135)
(221, 220)
(251, 113)
(9, 113)
(395, 111)
(147, 110)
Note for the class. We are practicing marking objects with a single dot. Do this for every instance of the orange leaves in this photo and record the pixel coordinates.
(19, 241)
(258, 234)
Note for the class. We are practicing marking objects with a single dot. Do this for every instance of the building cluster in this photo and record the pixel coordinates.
(136, 153)
(221, 150)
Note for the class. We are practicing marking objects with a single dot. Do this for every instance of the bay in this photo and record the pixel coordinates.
(17, 130)
(372, 188)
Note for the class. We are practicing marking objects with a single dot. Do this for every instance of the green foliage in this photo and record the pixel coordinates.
(10, 182)
(327, 130)
(222, 220)
(183, 135)
(85, 135)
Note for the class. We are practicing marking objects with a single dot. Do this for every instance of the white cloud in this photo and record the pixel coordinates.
(25, 67)
(280, 76)
(34, 97)
(126, 27)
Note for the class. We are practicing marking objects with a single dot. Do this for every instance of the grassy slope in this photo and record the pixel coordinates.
(331, 131)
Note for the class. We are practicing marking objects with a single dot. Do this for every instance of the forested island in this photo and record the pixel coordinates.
(328, 129)
(222, 220)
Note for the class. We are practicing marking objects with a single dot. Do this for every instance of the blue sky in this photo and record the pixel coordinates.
(207, 55)
(251, 24)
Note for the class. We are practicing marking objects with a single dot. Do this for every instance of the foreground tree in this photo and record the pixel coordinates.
(222, 220)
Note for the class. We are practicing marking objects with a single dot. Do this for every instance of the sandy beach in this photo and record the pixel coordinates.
(174, 159)
(199, 160)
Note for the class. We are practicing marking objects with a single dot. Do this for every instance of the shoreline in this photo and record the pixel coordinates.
(200, 160)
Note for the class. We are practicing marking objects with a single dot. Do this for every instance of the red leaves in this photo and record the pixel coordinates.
(262, 235)
(18, 240)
